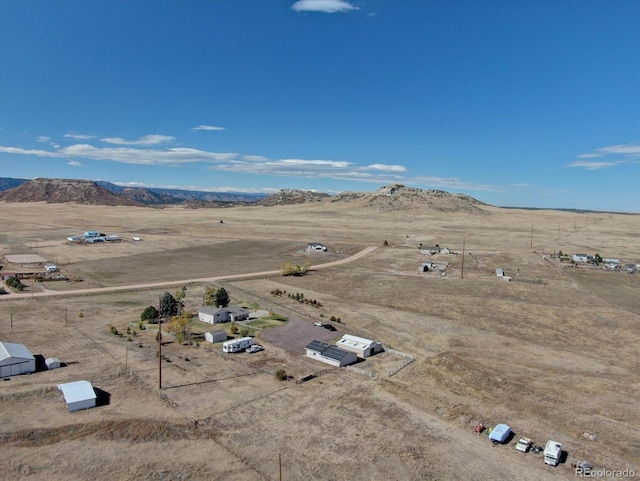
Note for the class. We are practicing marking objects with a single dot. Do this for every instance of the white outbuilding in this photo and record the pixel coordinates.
(15, 359)
(78, 395)
(52, 362)
(361, 346)
(330, 354)
(215, 336)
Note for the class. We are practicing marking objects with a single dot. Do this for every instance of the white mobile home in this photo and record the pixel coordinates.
(78, 395)
(360, 346)
(237, 345)
(15, 359)
(580, 258)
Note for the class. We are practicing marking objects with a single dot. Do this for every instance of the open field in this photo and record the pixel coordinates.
(554, 353)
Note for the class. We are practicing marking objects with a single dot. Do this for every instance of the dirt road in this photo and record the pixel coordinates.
(177, 282)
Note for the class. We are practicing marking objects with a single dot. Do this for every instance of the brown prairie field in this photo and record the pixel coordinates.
(554, 353)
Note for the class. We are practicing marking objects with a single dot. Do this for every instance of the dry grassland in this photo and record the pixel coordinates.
(554, 353)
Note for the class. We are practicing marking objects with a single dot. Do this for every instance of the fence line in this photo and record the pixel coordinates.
(407, 359)
(362, 372)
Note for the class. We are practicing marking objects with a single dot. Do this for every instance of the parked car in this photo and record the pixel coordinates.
(255, 348)
(523, 445)
(329, 327)
(319, 324)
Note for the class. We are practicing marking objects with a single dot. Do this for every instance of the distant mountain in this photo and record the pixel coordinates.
(64, 190)
(396, 197)
(131, 195)
(292, 196)
(9, 183)
(175, 196)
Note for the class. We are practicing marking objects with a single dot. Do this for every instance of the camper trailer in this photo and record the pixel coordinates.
(552, 453)
(237, 345)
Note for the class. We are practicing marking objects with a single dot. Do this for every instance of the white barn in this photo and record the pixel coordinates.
(330, 354)
(78, 395)
(15, 359)
(359, 345)
(215, 336)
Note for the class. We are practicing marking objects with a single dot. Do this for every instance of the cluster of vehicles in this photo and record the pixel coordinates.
(500, 433)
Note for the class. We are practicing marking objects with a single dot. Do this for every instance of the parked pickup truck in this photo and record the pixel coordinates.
(523, 445)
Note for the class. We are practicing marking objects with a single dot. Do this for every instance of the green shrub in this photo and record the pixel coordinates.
(281, 375)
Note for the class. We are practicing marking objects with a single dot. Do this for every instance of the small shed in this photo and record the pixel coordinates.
(359, 345)
(215, 336)
(78, 395)
(15, 359)
(330, 354)
(52, 362)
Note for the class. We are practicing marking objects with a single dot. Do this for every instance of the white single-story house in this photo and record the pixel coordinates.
(499, 272)
(430, 250)
(359, 345)
(426, 266)
(78, 395)
(52, 362)
(316, 247)
(215, 315)
(580, 258)
(330, 354)
(445, 250)
(15, 359)
(215, 336)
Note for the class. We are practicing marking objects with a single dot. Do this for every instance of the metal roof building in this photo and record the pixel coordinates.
(78, 395)
(15, 359)
(330, 354)
(361, 346)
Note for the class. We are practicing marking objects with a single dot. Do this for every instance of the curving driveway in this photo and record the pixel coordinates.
(152, 285)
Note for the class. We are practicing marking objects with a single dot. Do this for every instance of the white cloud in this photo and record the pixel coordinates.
(145, 140)
(75, 163)
(614, 155)
(255, 165)
(207, 127)
(326, 6)
(592, 165)
(79, 136)
(390, 168)
(43, 138)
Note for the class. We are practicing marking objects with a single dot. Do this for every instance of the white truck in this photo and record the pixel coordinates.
(552, 453)
(237, 345)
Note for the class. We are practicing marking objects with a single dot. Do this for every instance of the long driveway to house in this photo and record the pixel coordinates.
(153, 285)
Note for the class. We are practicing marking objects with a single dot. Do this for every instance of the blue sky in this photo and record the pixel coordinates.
(516, 103)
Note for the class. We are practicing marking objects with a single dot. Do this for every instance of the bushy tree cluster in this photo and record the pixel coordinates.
(15, 283)
(289, 269)
(217, 298)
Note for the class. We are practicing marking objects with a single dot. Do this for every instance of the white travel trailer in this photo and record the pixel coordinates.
(552, 453)
(237, 345)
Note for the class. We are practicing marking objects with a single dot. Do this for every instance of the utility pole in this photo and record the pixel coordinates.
(531, 243)
(11, 325)
(159, 343)
(280, 464)
(462, 269)
(160, 352)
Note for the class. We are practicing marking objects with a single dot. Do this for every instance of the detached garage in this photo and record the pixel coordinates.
(15, 359)
(78, 395)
